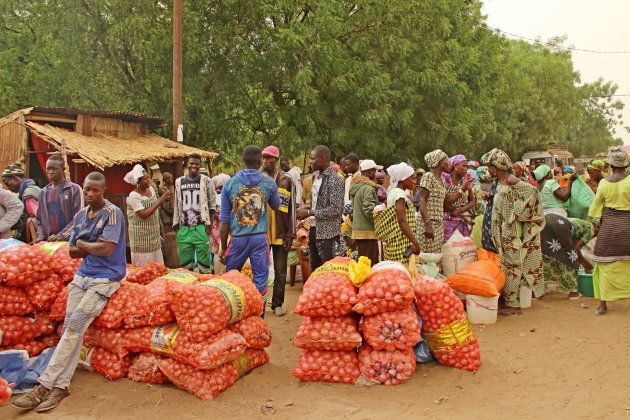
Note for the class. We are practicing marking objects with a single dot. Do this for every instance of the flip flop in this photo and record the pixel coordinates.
(576, 297)
(600, 313)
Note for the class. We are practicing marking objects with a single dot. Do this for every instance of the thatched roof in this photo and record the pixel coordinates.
(13, 116)
(153, 122)
(103, 151)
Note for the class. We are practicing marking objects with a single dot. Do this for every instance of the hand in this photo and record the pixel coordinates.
(573, 176)
(37, 240)
(288, 245)
(54, 238)
(428, 230)
(162, 239)
(456, 213)
(208, 229)
(222, 257)
(175, 228)
(467, 185)
(415, 248)
(303, 213)
(165, 196)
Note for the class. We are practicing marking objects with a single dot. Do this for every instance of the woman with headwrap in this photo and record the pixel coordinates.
(215, 235)
(402, 179)
(28, 193)
(460, 198)
(595, 174)
(517, 221)
(145, 229)
(554, 198)
(430, 229)
(611, 277)
(381, 191)
(484, 195)
(519, 169)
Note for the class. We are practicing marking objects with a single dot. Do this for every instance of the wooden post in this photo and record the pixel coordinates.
(177, 73)
(64, 155)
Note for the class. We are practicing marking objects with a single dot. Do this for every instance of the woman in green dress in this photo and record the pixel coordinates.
(517, 221)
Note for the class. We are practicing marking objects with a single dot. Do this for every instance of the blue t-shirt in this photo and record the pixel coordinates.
(244, 201)
(108, 225)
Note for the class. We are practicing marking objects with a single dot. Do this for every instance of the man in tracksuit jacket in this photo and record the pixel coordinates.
(244, 214)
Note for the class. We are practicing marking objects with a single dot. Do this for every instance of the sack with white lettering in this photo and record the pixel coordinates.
(458, 252)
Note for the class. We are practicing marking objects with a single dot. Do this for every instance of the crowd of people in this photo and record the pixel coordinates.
(273, 216)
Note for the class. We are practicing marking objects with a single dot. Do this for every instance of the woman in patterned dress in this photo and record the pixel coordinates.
(145, 229)
(517, 222)
(430, 230)
(460, 199)
(402, 178)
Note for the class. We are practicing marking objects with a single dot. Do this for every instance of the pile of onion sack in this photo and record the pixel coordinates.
(200, 332)
(358, 329)
(31, 278)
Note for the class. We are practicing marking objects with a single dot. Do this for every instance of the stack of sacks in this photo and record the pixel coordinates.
(329, 333)
(445, 325)
(31, 278)
(390, 325)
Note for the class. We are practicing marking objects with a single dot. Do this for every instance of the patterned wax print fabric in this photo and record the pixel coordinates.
(517, 222)
(398, 243)
(557, 241)
(144, 234)
(434, 158)
(486, 230)
(564, 278)
(452, 223)
(498, 158)
(435, 205)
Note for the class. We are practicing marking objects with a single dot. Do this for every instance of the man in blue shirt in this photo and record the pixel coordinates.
(98, 236)
(244, 201)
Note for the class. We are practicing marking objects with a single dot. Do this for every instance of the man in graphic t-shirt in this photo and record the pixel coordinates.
(193, 213)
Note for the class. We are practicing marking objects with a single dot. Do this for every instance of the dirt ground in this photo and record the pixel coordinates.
(557, 360)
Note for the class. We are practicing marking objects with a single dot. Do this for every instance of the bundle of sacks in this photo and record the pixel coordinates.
(362, 329)
(200, 332)
(31, 278)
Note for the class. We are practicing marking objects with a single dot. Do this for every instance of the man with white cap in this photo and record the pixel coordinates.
(363, 195)
(282, 224)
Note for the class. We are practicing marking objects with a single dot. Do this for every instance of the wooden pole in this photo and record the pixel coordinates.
(177, 72)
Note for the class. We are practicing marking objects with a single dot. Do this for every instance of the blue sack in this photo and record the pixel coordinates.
(16, 367)
(421, 350)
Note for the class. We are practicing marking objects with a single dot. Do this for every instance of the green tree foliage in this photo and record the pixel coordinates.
(389, 80)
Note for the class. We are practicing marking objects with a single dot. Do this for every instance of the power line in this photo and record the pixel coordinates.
(551, 44)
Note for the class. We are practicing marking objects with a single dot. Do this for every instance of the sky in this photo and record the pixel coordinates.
(593, 25)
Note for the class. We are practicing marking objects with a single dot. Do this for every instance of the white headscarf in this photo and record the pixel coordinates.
(295, 173)
(134, 175)
(398, 173)
(220, 180)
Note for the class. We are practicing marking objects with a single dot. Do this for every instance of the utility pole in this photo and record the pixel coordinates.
(178, 118)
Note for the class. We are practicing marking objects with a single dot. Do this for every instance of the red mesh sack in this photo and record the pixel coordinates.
(20, 329)
(387, 367)
(33, 348)
(111, 339)
(60, 252)
(152, 305)
(43, 293)
(144, 368)
(50, 340)
(328, 333)
(254, 330)
(169, 340)
(396, 330)
(388, 287)
(146, 274)
(329, 290)
(14, 301)
(205, 308)
(445, 326)
(117, 306)
(104, 362)
(25, 264)
(328, 366)
(58, 308)
(207, 384)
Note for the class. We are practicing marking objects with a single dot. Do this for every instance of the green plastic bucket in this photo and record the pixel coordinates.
(585, 283)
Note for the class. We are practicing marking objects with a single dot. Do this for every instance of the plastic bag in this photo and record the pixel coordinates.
(169, 340)
(146, 274)
(459, 251)
(329, 290)
(396, 330)
(111, 339)
(206, 308)
(144, 368)
(388, 287)
(104, 362)
(328, 333)
(481, 278)
(42, 294)
(328, 366)
(580, 200)
(387, 367)
(21, 329)
(422, 350)
(446, 328)
(254, 330)
(207, 384)
(60, 252)
(14, 301)
(25, 264)
(483, 255)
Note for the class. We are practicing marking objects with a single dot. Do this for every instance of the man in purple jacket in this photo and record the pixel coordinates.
(58, 203)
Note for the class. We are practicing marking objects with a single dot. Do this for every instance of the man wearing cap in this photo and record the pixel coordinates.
(363, 195)
(281, 225)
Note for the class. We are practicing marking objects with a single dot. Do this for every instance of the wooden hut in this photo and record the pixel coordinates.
(90, 140)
